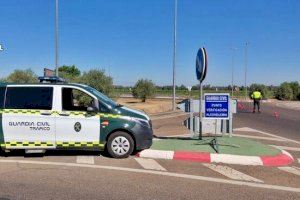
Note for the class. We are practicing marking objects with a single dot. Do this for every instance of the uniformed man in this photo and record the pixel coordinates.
(256, 96)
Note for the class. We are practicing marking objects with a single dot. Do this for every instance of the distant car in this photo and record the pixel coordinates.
(69, 116)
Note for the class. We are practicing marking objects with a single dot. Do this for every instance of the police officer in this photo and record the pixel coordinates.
(256, 96)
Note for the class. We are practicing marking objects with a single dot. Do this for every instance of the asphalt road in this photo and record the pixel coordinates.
(276, 120)
(76, 181)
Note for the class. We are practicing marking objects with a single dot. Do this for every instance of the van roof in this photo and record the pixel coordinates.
(2, 84)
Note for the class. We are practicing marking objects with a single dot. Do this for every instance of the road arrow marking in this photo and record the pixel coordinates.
(151, 164)
(232, 173)
(265, 133)
(291, 170)
(287, 148)
(85, 160)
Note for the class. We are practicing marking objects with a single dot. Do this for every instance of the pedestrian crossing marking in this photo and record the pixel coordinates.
(151, 164)
(232, 173)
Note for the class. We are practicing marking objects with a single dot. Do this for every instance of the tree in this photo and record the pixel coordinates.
(97, 79)
(22, 76)
(284, 92)
(143, 89)
(295, 88)
(70, 73)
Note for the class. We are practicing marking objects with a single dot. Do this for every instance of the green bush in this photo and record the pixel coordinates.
(144, 89)
(284, 92)
(70, 73)
(98, 80)
(21, 76)
(260, 87)
(296, 89)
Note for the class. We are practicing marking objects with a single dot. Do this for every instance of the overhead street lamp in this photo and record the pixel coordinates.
(174, 55)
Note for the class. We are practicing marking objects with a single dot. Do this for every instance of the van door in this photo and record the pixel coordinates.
(75, 127)
(27, 117)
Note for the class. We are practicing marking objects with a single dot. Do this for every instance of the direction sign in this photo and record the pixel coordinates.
(201, 64)
(216, 105)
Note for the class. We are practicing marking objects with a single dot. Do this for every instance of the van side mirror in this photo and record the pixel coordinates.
(91, 109)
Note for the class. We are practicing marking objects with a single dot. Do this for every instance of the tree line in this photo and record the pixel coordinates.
(144, 88)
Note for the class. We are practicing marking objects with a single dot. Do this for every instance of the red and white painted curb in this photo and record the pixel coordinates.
(282, 159)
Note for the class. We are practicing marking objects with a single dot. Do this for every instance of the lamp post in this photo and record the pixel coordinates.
(232, 69)
(174, 55)
(56, 38)
(246, 66)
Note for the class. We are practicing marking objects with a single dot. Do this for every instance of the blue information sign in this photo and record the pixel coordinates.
(216, 105)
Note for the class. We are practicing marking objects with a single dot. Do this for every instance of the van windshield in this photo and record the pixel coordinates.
(103, 98)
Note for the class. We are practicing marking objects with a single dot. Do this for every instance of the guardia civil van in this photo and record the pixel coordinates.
(61, 115)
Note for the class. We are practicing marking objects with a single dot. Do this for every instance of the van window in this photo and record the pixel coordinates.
(29, 98)
(2, 94)
(76, 100)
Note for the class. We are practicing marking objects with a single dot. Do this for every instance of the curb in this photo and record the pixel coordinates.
(281, 159)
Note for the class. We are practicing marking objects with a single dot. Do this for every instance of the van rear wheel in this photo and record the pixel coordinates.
(120, 145)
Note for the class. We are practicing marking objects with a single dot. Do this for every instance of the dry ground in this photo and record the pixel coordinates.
(151, 106)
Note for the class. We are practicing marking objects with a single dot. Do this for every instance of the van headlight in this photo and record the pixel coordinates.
(142, 122)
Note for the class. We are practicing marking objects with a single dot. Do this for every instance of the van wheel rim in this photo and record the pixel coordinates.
(120, 145)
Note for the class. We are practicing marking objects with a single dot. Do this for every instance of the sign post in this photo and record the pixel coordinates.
(201, 70)
(216, 106)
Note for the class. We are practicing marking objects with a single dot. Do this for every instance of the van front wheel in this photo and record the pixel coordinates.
(120, 145)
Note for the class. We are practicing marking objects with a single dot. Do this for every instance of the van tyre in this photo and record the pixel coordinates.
(120, 145)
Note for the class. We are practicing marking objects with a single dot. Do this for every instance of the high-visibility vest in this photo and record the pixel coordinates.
(256, 95)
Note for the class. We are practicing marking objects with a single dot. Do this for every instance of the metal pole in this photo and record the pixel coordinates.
(174, 55)
(200, 112)
(232, 70)
(56, 37)
(246, 66)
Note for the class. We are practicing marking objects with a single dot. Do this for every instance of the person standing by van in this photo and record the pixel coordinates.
(256, 96)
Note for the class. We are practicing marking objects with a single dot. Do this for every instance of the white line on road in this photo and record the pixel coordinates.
(287, 148)
(85, 160)
(148, 163)
(232, 173)
(160, 173)
(298, 160)
(290, 170)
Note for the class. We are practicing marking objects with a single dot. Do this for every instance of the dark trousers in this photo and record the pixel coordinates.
(256, 102)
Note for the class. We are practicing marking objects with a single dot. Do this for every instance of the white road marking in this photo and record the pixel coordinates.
(147, 163)
(265, 133)
(298, 160)
(290, 170)
(85, 160)
(232, 173)
(287, 148)
(160, 173)
(258, 137)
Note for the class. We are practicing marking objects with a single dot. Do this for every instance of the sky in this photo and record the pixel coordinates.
(133, 39)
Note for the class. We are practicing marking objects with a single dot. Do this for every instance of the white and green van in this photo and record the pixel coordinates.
(69, 116)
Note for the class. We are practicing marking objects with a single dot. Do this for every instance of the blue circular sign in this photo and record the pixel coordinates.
(201, 64)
